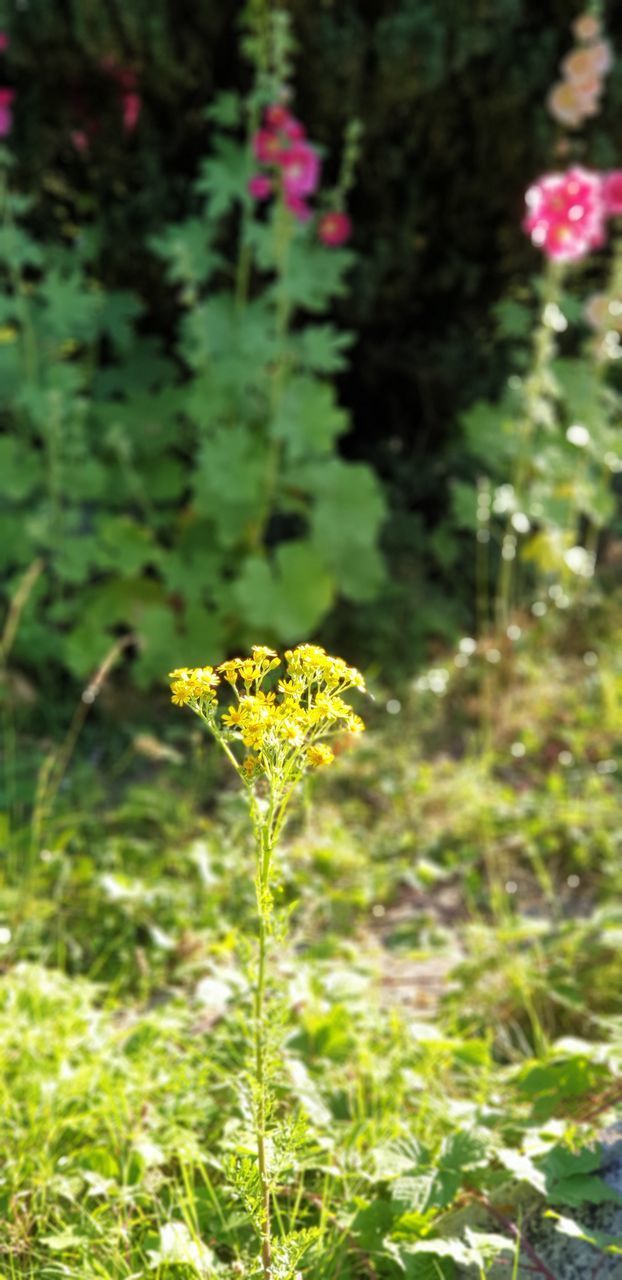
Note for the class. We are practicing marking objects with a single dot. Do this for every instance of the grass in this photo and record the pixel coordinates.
(450, 1006)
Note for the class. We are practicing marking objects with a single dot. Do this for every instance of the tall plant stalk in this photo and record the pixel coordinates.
(271, 738)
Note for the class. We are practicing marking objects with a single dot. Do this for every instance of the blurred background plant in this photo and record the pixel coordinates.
(114, 192)
(194, 496)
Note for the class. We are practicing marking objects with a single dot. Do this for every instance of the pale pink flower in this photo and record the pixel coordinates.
(586, 27)
(564, 105)
(565, 214)
(334, 228)
(301, 170)
(597, 314)
(612, 192)
(6, 111)
(132, 105)
(586, 64)
(603, 56)
(259, 186)
(267, 147)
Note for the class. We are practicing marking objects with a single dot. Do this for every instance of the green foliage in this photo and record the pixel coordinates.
(440, 1066)
(441, 240)
(549, 446)
(189, 503)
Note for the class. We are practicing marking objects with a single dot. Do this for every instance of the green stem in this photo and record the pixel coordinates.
(282, 237)
(536, 388)
(263, 871)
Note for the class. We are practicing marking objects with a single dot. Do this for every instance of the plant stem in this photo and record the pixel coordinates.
(263, 870)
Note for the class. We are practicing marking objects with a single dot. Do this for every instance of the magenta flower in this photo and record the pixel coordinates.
(276, 116)
(267, 147)
(301, 170)
(293, 130)
(259, 187)
(612, 192)
(6, 111)
(334, 228)
(281, 120)
(131, 103)
(4, 41)
(298, 207)
(565, 214)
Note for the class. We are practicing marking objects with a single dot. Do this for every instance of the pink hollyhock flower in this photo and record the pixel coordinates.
(301, 170)
(565, 214)
(259, 186)
(126, 78)
(294, 130)
(599, 314)
(563, 105)
(334, 228)
(276, 116)
(267, 147)
(131, 105)
(80, 140)
(6, 111)
(612, 192)
(4, 41)
(585, 64)
(280, 119)
(298, 207)
(586, 27)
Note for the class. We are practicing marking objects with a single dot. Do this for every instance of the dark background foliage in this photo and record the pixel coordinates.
(451, 95)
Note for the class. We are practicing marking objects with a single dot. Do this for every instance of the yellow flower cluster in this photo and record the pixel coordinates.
(279, 728)
(192, 683)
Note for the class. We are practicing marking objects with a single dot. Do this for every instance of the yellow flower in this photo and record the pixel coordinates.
(261, 652)
(251, 765)
(231, 670)
(290, 731)
(233, 717)
(181, 691)
(319, 754)
(249, 671)
(205, 678)
(292, 688)
(193, 682)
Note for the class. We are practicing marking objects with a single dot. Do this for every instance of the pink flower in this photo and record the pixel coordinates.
(280, 119)
(259, 186)
(132, 105)
(275, 116)
(4, 41)
(294, 130)
(585, 64)
(80, 140)
(565, 214)
(267, 147)
(334, 228)
(570, 103)
(6, 111)
(298, 207)
(586, 27)
(612, 192)
(301, 170)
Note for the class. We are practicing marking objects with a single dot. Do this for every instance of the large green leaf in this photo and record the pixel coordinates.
(348, 509)
(287, 597)
(308, 419)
